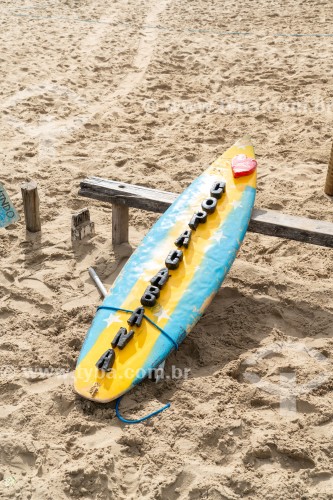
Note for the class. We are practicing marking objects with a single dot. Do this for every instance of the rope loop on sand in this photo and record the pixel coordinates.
(138, 420)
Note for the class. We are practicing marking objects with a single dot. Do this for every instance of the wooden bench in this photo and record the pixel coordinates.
(268, 222)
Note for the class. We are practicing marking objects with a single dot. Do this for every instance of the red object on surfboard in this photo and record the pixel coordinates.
(242, 165)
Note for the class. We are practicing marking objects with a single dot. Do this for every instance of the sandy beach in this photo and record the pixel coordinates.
(150, 92)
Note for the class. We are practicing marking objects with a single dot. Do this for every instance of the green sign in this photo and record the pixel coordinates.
(8, 214)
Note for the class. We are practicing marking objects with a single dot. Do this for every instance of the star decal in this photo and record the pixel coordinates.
(137, 269)
(162, 314)
(236, 204)
(219, 236)
(113, 318)
(147, 267)
(151, 265)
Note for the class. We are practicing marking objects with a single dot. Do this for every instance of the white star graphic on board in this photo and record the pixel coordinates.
(162, 314)
(150, 266)
(219, 236)
(147, 266)
(113, 318)
(137, 269)
(236, 204)
(150, 269)
(166, 224)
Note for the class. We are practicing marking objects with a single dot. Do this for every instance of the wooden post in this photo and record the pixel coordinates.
(31, 206)
(329, 178)
(119, 224)
(82, 225)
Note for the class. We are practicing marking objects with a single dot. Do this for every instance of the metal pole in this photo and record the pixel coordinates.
(99, 285)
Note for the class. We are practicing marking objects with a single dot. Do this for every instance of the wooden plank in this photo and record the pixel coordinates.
(329, 178)
(130, 195)
(267, 222)
(119, 224)
(274, 223)
(31, 206)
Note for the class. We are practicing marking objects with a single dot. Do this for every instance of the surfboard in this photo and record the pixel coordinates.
(170, 279)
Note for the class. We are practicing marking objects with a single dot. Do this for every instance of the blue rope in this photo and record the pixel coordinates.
(137, 421)
(111, 308)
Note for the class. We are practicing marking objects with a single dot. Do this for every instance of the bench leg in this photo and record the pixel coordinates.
(119, 224)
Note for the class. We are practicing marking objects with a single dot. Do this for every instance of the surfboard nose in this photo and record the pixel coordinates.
(244, 141)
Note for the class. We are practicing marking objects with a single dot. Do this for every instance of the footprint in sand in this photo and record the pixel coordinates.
(103, 438)
(37, 285)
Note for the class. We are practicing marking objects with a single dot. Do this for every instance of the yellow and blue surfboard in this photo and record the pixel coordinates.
(188, 291)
